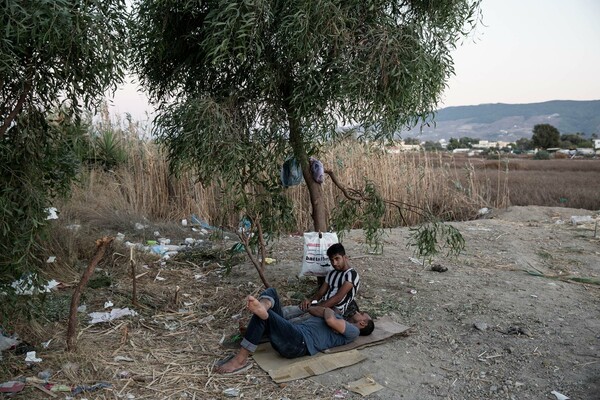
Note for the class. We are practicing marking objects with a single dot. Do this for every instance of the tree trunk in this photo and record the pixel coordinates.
(319, 216)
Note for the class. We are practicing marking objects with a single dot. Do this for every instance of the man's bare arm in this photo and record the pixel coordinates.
(339, 296)
(338, 325)
(320, 293)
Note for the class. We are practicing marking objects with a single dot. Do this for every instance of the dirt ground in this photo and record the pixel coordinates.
(484, 329)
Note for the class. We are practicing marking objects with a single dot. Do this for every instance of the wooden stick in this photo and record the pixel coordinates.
(101, 246)
(134, 278)
(43, 389)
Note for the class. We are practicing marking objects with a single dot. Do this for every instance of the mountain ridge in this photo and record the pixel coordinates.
(510, 122)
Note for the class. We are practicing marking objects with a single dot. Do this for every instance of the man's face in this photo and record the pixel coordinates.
(361, 317)
(339, 262)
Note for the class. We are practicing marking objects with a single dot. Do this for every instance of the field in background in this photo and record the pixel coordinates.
(453, 187)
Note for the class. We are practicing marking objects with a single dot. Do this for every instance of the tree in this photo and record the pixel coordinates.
(56, 58)
(410, 140)
(545, 136)
(524, 144)
(574, 140)
(453, 143)
(243, 85)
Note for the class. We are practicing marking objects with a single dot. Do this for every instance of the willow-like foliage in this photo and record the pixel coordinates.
(241, 84)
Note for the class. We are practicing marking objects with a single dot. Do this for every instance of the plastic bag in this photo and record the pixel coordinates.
(291, 173)
(317, 170)
(315, 261)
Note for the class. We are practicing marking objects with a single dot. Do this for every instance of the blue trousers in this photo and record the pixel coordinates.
(285, 337)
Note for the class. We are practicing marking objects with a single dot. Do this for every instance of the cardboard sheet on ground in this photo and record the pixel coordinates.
(282, 369)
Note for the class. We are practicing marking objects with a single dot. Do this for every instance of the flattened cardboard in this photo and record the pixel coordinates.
(283, 370)
(364, 386)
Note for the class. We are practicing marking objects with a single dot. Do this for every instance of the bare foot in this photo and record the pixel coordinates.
(257, 308)
(235, 363)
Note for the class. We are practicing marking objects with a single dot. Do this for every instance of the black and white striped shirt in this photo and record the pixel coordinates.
(335, 279)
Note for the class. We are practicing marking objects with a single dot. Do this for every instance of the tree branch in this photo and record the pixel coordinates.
(17, 109)
(359, 196)
(245, 239)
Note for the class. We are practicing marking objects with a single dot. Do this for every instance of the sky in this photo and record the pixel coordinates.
(524, 51)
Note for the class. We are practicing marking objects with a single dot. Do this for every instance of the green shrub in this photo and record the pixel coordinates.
(541, 155)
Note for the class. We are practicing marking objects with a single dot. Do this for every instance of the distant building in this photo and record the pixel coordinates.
(400, 147)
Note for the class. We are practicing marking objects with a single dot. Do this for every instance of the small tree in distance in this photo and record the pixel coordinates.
(545, 136)
(243, 85)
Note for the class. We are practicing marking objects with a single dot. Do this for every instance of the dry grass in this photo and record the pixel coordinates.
(144, 188)
(167, 352)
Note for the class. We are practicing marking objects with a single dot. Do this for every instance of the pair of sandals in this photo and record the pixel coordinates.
(241, 369)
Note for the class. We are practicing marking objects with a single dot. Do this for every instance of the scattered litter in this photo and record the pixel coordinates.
(7, 342)
(123, 358)
(45, 375)
(269, 260)
(31, 357)
(159, 278)
(46, 344)
(11, 387)
(52, 213)
(108, 304)
(97, 317)
(559, 396)
(184, 222)
(231, 392)
(412, 291)
(364, 386)
(203, 224)
(533, 295)
(51, 259)
(190, 241)
(83, 388)
(206, 319)
(340, 394)
(120, 236)
(479, 229)
(156, 233)
(581, 219)
(82, 308)
(26, 287)
(140, 226)
(57, 388)
(484, 211)
(415, 260)
(244, 225)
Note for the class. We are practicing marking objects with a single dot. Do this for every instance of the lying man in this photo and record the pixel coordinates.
(325, 329)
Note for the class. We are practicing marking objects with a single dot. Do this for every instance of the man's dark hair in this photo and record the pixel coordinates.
(367, 330)
(336, 249)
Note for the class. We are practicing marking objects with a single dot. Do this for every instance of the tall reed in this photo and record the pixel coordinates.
(143, 186)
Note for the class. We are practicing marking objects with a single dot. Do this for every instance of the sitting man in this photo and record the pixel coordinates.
(325, 329)
(337, 291)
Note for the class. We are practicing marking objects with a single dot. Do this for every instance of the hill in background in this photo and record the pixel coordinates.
(510, 122)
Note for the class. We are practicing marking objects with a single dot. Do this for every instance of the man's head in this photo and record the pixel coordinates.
(337, 257)
(363, 322)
